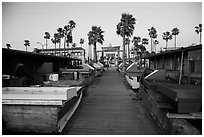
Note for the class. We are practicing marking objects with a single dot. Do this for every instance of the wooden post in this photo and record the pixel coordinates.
(181, 68)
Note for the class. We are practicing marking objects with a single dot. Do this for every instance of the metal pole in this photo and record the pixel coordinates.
(181, 69)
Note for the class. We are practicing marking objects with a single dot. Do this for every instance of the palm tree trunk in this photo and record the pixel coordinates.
(200, 37)
(151, 45)
(95, 54)
(128, 51)
(55, 49)
(46, 43)
(26, 48)
(64, 44)
(175, 41)
(123, 49)
(166, 45)
(60, 44)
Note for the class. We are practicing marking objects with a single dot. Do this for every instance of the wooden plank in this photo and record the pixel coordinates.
(33, 93)
(35, 90)
(31, 102)
(35, 96)
(184, 116)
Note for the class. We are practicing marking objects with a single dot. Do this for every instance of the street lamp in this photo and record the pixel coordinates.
(41, 44)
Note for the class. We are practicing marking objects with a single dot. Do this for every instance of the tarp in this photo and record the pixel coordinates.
(97, 66)
(121, 65)
(133, 68)
(100, 64)
(87, 67)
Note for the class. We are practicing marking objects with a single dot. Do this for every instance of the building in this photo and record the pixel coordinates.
(77, 52)
(184, 63)
(33, 68)
(112, 52)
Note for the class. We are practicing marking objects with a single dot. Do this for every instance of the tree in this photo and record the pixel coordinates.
(136, 41)
(8, 46)
(47, 36)
(81, 41)
(145, 41)
(175, 31)
(27, 43)
(72, 25)
(74, 45)
(167, 36)
(65, 31)
(68, 32)
(198, 30)
(95, 36)
(60, 35)
(55, 40)
(125, 29)
(153, 35)
(156, 42)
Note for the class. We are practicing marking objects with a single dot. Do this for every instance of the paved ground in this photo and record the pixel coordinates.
(109, 109)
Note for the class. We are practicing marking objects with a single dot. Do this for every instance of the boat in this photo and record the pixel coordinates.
(99, 69)
(133, 82)
(77, 77)
(133, 74)
(86, 72)
(100, 64)
(38, 109)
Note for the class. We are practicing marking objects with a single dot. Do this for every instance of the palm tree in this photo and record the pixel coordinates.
(55, 40)
(125, 29)
(72, 25)
(153, 35)
(27, 43)
(60, 35)
(136, 41)
(167, 36)
(81, 41)
(65, 31)
(145, 41)
(198, 30)
(8, 46)
(74, 45)
(94, 36)
(68, 32)
(47, 36)
(156, 42)
(175, 31)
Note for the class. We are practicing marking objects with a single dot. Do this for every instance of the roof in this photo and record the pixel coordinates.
(114, 48)
(173, 51)
(61, 49)
(31, 54)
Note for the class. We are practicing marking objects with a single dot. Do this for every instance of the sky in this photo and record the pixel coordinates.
(30, 20)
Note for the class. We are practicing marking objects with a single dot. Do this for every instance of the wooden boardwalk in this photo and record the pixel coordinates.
(109, 109)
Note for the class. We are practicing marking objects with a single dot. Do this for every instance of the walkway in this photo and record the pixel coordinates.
(109, 109)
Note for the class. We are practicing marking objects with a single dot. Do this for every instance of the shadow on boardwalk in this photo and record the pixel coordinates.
(109, 109)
